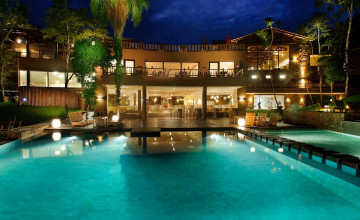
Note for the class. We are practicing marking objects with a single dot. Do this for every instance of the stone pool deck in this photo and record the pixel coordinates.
(164, 123)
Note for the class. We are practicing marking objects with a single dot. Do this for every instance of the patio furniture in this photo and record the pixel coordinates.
(100, 121)
(324, 105)
(261, 120)
(273, 119)
(112, 121)
(250, 119)
(77, 119)
(339, 105)
(179, 113)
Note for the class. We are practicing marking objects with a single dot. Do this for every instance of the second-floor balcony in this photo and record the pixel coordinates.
(180, 73)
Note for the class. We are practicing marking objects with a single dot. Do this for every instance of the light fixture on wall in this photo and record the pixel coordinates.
(301, 100)
(242, 99)
(295, 59)
(254, 77)
(268, 76)
(282, 76)
(19, 40)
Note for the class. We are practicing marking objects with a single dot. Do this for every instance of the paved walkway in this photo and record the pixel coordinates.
(158, 122)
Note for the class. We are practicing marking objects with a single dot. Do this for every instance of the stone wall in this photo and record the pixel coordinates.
(324, 120)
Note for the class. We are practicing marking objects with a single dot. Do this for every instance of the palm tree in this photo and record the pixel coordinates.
(116, 13)
(319, 28)
(267, 43)
(344, 7)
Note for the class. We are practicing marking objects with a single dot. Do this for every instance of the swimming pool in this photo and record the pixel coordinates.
(343, 143)
(177, 175)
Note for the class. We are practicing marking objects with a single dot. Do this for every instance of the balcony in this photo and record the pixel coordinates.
(182, 73)
(47, 55)
(183, 48)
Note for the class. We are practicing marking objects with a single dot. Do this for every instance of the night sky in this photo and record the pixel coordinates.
(189, 21)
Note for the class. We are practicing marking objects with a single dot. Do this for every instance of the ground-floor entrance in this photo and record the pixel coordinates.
(172, 101)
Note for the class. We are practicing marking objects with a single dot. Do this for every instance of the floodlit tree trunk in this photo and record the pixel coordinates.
(308, 90)
(347, 49)
(118, 74)
(318, 67)
(2, 86)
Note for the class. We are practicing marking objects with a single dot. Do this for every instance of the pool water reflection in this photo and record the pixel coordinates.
(178, 175)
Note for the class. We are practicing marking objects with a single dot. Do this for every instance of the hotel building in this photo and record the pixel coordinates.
(202, 80)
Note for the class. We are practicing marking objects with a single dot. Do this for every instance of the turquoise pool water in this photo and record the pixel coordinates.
(176, 177)
(343, 143)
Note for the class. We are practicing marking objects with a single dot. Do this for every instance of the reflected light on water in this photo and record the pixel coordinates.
(56, 136)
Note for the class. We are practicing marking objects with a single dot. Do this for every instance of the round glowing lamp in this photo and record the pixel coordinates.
(56, 136)
(56, 123)
(281, 150)
(115, 118)
(241, 122)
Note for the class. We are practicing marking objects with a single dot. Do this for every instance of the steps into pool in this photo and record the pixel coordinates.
(322, 155)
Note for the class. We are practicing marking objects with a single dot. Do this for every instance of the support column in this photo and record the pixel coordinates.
(242, 104)
(28, 49)
(204, 102)
(144, 111)
(139, 100)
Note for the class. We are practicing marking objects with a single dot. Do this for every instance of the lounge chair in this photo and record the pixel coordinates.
(113, 122)
(77, 119)
(324, 105)
(339, 105)
(273, 118)
(250, 119)
(261, 121)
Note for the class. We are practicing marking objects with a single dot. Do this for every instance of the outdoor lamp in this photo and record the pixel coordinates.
(19, 40)
(115, 118)
(241, 122)
(281, 150)
(56, 123)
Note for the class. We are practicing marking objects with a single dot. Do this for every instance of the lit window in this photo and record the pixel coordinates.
(282, 76)
(268, 77)
(23, 78)
(56, 79)
(38, 79)
(254, 76)
(73, 82)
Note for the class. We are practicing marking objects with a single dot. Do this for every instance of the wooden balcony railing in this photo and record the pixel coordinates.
(180, 48)
(42, 55)
(156, 72)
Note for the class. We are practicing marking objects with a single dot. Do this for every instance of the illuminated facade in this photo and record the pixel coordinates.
(197, 78)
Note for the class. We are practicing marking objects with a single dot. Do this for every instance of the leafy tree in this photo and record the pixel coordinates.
(89, 94)
(267, 43)
(318, 27)
(13, 15)
(116, 13)
(344, 8)
(87, 56)
(66, 25)
(332, 69)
